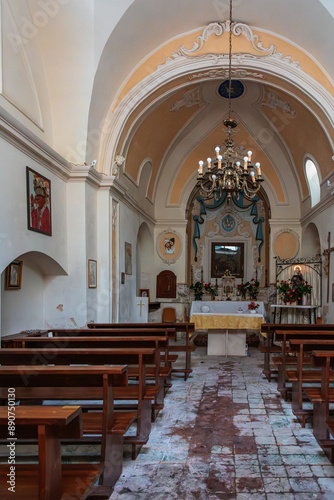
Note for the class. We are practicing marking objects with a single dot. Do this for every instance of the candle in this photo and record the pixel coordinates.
(253, 177)
(249, 155)
(245, 162)
(220, 161)
(209, 163)
(258, 169)
(217, 149)
(200, 170)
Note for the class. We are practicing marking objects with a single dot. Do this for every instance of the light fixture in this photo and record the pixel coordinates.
(226, 173)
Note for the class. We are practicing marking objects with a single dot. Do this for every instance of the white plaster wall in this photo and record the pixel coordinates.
(23, 309)
(129, 223)
(91, 246)
(179, 268)
(15, 238)
(324, 222)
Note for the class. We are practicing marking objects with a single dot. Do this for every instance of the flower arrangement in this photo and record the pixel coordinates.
(198, 288)
(252, 287)
(242, 290)
(212, 290)
(287, 293)
(304, 288)
(253, 307)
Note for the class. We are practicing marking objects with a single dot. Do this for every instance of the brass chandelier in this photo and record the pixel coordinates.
(226, 174)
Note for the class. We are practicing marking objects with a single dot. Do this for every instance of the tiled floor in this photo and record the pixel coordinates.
(226, 434)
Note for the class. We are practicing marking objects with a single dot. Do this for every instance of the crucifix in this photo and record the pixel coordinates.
(141, 307)
(327, 263)
(142, 310)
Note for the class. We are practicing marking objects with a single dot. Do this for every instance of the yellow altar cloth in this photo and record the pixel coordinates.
(227, 321)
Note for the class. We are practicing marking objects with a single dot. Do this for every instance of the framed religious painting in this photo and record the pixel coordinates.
(14, 275)
(144, 292)
(227, 259)
(128, 258)
(38, 202)
(169, 246)
(92, 273)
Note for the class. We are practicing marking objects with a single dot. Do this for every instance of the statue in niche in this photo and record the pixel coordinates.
(297, 278)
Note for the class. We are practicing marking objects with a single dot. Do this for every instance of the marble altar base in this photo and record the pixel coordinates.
(226, 343)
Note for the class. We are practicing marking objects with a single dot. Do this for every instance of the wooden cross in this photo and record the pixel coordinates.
(327, 263)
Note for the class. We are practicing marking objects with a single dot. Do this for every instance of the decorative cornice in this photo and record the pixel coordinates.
(223, 73)
(273, 100)
(189, 99)
(219, 29)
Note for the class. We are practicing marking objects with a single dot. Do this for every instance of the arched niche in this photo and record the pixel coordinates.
(24, 308)
(145, 276)
(311, 241)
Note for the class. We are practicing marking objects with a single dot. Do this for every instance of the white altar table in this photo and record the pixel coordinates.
(223, 319)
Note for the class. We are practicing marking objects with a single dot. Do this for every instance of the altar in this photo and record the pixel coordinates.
(226, 322)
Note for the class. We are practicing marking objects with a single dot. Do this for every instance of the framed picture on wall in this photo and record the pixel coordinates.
(128, 258)
(144, 292)
(38, 203)
(92, 273)
(227, 257)
(14, 275)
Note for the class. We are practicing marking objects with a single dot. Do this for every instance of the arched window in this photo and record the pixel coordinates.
(313, 181)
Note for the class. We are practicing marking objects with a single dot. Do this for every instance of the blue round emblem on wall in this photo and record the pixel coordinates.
(228, 223)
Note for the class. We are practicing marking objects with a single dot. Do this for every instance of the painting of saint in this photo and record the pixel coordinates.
(39, 202)
(169, 245)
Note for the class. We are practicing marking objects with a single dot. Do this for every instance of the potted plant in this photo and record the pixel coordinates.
(198, 289)
(212, 290)
(284, 290)
(252, 307)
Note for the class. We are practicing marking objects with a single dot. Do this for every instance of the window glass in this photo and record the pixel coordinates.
(313, 181)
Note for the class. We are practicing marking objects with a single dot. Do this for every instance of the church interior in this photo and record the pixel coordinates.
(167, 276)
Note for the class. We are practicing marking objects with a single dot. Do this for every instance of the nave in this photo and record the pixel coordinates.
(226, 433)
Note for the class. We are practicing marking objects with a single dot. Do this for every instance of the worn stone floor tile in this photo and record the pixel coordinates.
(273, 471)
(249, 485)
(280, 496)
(299, 471)
(326, 484)
(276, 485)
(306, 485)
(293, 460)
(323, 470)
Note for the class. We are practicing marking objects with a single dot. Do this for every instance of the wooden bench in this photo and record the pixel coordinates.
(284, 336)
(46, 480)
(188, 328)
(269, 329)
(140, 392)
(76, 383)
(322, 396)
(160, 374)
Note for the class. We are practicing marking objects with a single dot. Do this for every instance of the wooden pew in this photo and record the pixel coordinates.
(47, 479)
(140, 392)
(188, 328)
(284, 360)
(160, 374)
(73, 383)
(269, 329)
(303, 375)
(323, 395)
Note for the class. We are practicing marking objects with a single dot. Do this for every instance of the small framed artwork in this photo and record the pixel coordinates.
(92, 273)
(38, 203)
(128, 258)
(169, 246)
(144, 292)
(14, 275)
